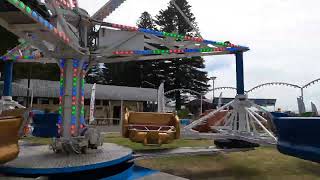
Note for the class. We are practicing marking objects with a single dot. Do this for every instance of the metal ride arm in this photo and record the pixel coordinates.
(174, 45)
(186, 18)
(107, 9)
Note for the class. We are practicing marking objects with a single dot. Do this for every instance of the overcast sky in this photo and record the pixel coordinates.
(283, 36)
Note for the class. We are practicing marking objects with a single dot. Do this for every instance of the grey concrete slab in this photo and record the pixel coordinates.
(109, 129)
(185, 151)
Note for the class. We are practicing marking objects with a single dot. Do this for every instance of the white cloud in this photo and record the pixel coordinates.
(283, 37)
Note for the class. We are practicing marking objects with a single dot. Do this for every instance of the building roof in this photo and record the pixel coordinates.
(260, 102)
(50, 89)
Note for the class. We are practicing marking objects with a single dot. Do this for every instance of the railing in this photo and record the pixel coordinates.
(151, 128)
(106, 121)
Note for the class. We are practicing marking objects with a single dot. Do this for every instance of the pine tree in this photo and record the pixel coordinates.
(183, 72)
(146, 21)
(98, 74)
(149, 69)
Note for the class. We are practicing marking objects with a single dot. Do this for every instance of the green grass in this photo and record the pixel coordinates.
(36, 140)
(262, 163)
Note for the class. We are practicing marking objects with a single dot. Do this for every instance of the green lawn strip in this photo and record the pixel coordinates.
(263, 163)
(140, 147)
(37, 140)
(117, 139)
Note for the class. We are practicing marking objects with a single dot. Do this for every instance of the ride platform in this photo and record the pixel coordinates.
(108, 162)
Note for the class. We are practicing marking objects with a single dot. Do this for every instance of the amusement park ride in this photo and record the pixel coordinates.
(58, 31)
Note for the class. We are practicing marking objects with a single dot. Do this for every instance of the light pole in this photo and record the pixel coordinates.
(213, 78)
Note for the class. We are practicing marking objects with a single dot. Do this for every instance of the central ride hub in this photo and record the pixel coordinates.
(109, 161)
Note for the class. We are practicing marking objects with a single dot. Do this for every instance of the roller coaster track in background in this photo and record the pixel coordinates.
(311, 83)
(223, 88)
(186, 90)
(272, 84)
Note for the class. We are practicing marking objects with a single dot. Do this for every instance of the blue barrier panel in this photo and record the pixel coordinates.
(299, 137)
(185, 122)
(45, 125)
(279, 114)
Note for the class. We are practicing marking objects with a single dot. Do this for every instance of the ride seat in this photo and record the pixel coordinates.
(9, 130)
(151, 128)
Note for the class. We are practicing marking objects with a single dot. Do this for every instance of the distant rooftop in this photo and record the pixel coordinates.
(258, 101)
(50, 89)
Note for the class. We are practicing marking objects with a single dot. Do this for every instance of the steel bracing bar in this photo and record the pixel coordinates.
(260, 124)
(262, 118)
(248, 122)
(204, 118)
(230, 119)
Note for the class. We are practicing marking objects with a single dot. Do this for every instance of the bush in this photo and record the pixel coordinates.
(183, 113)
(307, 114)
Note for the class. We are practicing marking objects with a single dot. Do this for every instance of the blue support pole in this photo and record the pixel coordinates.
(240, 74)
(8, 71)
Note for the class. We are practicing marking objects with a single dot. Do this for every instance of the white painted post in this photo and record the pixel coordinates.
(121, 117)
(201, 110)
